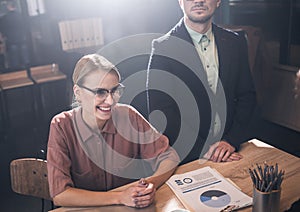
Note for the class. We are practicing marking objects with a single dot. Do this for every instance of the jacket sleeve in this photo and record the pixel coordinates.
(244, 100)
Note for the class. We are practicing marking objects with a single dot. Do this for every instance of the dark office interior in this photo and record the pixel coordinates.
(273, 33)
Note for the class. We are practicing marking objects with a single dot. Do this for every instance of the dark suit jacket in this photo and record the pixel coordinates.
(175, 71)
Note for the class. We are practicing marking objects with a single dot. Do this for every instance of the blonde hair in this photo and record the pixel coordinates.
(92, 62)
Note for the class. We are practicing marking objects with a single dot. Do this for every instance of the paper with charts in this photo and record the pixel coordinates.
(206, 189)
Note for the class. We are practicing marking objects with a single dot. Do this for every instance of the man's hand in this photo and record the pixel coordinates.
(222, 151)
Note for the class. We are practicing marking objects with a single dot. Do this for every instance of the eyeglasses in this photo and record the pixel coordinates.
(103, 93)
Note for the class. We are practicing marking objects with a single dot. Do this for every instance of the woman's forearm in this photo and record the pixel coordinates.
(161, 175)
(80, 197)
(122, 195)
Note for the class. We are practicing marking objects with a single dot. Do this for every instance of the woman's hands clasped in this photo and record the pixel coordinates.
(139, 195)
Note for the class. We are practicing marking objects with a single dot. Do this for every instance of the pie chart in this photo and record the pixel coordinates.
(215, 198)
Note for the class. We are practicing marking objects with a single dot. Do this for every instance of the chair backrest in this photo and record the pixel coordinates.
(29, 177)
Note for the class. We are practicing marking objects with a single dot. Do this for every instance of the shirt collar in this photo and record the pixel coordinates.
(196, 36)
(109, 127)
(85, 131)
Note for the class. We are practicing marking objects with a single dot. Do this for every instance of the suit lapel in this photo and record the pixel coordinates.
(181, 32)
(223, 45)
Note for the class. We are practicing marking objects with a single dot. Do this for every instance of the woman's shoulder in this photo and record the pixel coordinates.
(128, 112)
(64, 116)
(121, 108)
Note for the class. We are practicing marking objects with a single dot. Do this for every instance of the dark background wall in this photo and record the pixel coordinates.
(279, 20)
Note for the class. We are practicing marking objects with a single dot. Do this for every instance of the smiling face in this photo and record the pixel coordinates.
(199, 11)
(95, 110)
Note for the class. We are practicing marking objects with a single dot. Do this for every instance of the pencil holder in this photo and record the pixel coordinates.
(266, 201)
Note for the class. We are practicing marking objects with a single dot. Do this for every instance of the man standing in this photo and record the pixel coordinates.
(213, 63)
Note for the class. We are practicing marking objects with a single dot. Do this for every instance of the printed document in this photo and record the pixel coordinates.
(206, 189)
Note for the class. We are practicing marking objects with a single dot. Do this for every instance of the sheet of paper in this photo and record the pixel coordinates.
(206, 189)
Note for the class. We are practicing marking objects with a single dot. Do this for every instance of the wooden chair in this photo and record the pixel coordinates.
(17, 87)
(29, 177)
(46, 73)
(51, 91)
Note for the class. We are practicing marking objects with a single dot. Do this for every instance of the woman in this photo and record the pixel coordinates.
(101, 144)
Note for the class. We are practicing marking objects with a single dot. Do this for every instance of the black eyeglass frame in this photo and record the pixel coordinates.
(103, 92)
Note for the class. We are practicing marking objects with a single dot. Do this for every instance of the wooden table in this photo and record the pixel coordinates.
(15, 79)
(253, 152)
(52, 94)
(46, 73)
(18, 84)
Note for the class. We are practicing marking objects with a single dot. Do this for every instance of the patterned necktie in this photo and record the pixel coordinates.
(204, 42)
